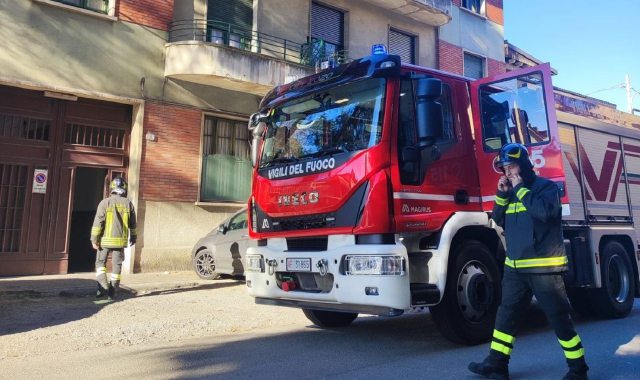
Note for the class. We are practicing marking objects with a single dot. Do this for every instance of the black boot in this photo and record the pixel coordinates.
(490, 371)
(575, 375)
(112, 292)
(577, 369)
(102, 291)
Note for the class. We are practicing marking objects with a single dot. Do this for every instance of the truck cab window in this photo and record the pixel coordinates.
(514, 110)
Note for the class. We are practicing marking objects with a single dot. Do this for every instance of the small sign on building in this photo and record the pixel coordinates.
(40, 181)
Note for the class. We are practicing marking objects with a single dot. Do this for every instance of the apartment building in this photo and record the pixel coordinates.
(159, 92)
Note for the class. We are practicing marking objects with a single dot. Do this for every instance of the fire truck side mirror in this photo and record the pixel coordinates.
(429, 111)
(257, 125)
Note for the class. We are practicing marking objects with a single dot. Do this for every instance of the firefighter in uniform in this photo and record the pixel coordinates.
(113, 228)
(528, 208)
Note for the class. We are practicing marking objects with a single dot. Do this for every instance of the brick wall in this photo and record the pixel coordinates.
(450, 57)
(495, 11)
(155, 14)
(169, 167)
(496, 67)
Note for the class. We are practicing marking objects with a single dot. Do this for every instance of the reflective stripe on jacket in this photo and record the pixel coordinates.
(532, 222)
(115, 220)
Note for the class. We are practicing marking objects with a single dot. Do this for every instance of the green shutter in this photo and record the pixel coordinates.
(239, 13)
(226, 178)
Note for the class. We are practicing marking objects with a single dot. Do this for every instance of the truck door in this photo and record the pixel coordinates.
(516, 107)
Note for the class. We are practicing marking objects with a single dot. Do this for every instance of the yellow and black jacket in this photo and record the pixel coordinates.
(532, 222)
(114, 221)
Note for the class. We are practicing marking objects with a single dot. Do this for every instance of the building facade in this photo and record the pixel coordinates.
(159, 92)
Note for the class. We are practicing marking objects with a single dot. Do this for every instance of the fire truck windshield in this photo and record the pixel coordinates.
(338, 120)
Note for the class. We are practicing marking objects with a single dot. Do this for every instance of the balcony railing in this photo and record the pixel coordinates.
(313, 54)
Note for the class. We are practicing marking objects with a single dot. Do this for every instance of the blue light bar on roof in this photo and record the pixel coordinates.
(378, 49)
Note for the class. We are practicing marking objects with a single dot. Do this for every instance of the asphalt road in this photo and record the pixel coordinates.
(406, 347)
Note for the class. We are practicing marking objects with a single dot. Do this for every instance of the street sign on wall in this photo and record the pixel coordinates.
(40, 177)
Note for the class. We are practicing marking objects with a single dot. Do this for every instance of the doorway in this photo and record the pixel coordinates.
(88, 191)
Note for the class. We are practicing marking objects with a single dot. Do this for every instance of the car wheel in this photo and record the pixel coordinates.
(204, 265)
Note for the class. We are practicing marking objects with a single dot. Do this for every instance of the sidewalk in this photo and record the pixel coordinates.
(84, 284)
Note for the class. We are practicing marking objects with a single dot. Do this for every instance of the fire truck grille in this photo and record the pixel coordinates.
(305, 222)
(307, 244)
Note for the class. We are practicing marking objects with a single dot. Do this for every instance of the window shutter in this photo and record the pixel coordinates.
(473, 66)
(239, 13)
(327, 24)
(402, 45)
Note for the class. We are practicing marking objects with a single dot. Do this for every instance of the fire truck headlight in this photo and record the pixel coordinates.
(384, 265)
(255, 264)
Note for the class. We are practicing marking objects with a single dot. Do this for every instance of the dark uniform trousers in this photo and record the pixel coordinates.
(117, 258)
(549, 290)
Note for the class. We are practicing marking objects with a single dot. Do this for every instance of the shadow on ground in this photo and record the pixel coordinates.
(406, 347)
(22, 311)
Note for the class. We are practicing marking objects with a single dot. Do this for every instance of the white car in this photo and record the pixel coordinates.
(223, 250)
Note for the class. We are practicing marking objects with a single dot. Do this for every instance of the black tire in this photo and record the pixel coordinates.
(580, 299)
(204, 264)
(473, 292)
(615, 298)
(324, 318)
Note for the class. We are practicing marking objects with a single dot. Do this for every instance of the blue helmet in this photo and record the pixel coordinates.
(514, 153)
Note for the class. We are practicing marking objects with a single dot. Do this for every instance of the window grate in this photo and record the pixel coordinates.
(13, 183)
(78, 134)
(22, 127)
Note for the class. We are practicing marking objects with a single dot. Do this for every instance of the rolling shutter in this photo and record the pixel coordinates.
(327, 24)
(473, 66)
(402, 44)
(239, 13)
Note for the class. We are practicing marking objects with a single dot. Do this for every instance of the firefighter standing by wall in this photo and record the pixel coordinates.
(113, 228)
(528, 208)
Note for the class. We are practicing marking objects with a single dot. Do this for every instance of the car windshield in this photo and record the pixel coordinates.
(343, 119)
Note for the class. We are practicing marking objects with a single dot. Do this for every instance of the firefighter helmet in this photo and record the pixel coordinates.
(118, 186)
(514, 153)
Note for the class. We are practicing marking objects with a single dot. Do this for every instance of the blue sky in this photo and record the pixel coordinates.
(592, 44)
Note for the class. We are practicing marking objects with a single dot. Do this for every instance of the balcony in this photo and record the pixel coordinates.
(431, 12)
(215, 53)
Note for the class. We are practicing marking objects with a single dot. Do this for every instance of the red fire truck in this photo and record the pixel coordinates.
(374, 183)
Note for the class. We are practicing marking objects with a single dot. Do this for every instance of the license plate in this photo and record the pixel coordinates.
(299, 265)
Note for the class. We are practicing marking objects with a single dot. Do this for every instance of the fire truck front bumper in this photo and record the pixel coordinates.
(367, 279)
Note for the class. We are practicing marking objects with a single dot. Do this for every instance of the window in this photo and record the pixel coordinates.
(475, 6)
(101, 6)
(327, 29)
(239, 221)
(13, 187)
(514, 110)
(230, 22)
(22, 127)
(403, 45)
(226, 164)
(473, 66)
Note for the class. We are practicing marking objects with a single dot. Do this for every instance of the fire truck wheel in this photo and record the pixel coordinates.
(580, 301)
(472, 295)
(204, 264)
(615, 298)
(324, 318)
